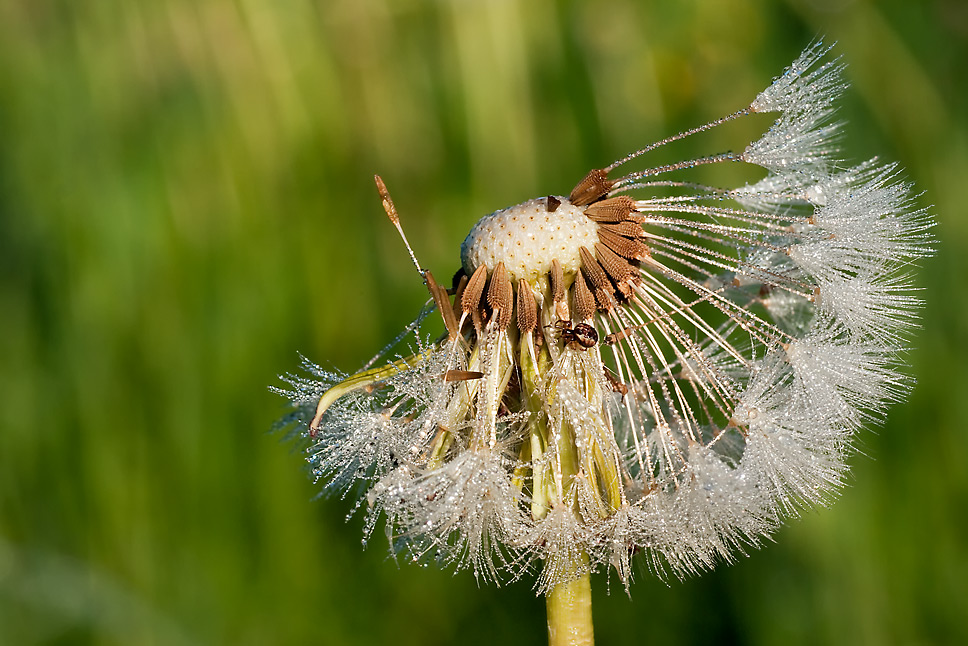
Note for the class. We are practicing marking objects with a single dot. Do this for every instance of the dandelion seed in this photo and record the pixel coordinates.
(670, 372)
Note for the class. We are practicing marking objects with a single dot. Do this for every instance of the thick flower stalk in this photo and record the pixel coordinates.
(647, 364)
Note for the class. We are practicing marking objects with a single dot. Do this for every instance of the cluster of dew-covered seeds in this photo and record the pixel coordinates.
(584, 249)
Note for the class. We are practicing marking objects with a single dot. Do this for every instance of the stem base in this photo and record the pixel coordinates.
(570, 613)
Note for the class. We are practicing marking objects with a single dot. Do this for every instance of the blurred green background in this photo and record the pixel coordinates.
(186, 202)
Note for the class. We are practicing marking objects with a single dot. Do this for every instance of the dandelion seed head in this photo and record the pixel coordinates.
(646, 365)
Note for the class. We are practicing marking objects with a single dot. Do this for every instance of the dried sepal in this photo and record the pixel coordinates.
(500, 296)
(626, 229)
(619, 270)
(527, 309)
(557, 279)
(631, 249)
(462, 375)
(470, 301)
(592, 187)
(614, 209)
(444, 305)
(584, 300)
(600, 284)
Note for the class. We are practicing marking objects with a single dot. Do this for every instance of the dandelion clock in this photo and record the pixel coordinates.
(647, 365)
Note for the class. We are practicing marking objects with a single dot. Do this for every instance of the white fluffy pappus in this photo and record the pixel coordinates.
(675, 383)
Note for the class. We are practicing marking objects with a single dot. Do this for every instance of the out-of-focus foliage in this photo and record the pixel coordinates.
(186, 201)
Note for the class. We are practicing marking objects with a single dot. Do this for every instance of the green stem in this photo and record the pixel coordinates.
(570, 612)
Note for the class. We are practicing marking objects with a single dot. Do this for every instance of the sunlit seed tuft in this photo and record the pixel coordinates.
(670, 373)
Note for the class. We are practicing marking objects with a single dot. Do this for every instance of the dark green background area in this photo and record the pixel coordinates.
(186, 202)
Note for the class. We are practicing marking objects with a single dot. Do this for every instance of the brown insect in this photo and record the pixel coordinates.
(582, 336)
